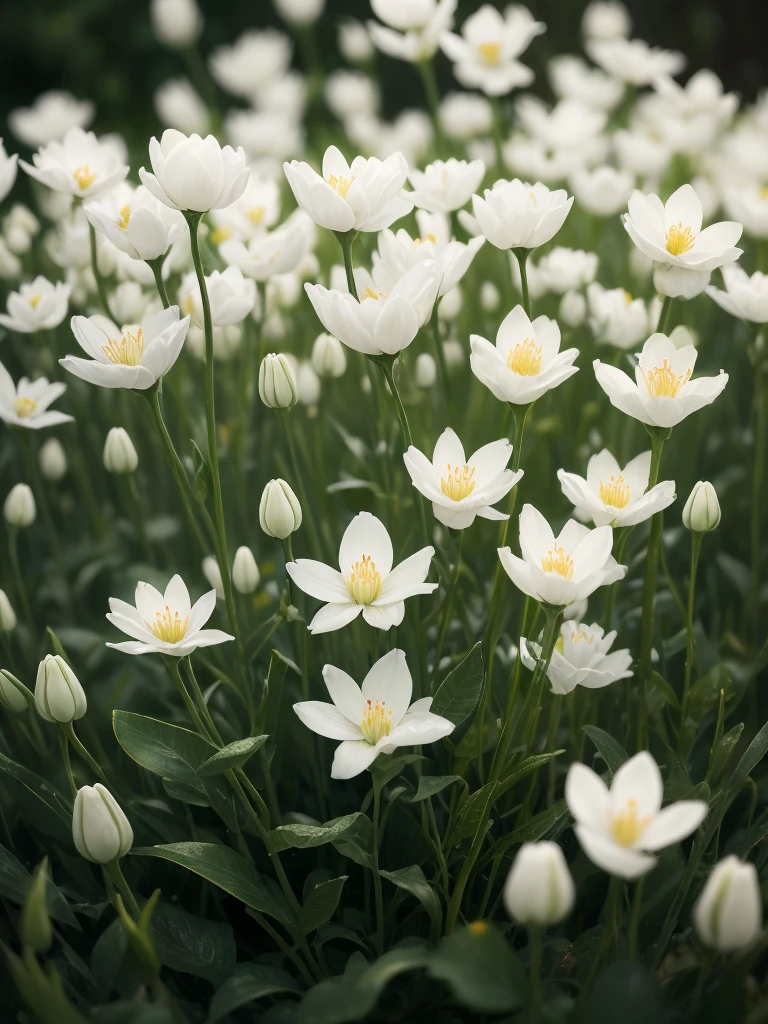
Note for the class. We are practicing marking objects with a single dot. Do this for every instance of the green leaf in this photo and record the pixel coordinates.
(471, 813)
(388, 766)
(351, 835)
(413, 881)
(14, 886)
(481, 970)
(201, 474)
(42, 804)
(431, 785)
(529, 765)
(608, 748)
(666, 691)
(721, 755)
(320, 905)
(249, 982)
(225, 868)
(751, 757)
(234, 755)
(107, 957)
(458, 694)
(167, 750)
(705, 692)
(626, 993)
(541, 824)
(192, 945)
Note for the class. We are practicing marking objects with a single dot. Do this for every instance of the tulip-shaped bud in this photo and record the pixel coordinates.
(59, 697)
(119, 454)
(35, 929)
(279, 510)
(702, 510)
(328, 356)
(14, 696)
(53, 460)
(425, 372)
(100, 829)
(7, 614)
(19, 508)
(539, 889)
(277, 382)
(728, 914)
(245, 572)
(177, 23)
(212, 573)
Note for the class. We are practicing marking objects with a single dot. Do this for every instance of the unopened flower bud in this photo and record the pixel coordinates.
(489, 296)
(14, 696)
(59, 697)
(573, 309)
(702, 510)
(300, 12)
(307, 384)
(328, 356)
(279, 510)
(425, 371)
(19, 508)
(53, 460)
(35, 929)
(119, 454)
(245, 572)
(450, 305)
(7, 614)
(212, 573)
(100, 829)
(177, 23)
(277, 382)
(728, 913)
(539, 889)
(355, 42)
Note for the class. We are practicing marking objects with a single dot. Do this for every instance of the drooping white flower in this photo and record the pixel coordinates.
(461, 488)
(134, 357)
(255, 59)
(526, 360)
(80, 165)
(563, 569)
(615, 317)
(744, 297)
(580, 658)
(485, 54)
(445, 185)
(194, 174)
(612, 496)
(539, 889)
(374, 718)
(662, 393)
(728, 915)
(412, 28)
(38, 305)
(26, 404)
(516, 215)
(365, 581)
(270, 253)
(100, 830)
(633, 60)
(621, 828)
(165, 623)
(136, 222)
(50, 118)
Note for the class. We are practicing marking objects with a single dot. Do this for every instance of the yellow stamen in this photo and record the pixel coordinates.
(84, 177)
(459, 483)
(35, 301)
(256, 214)
(125, 216)
(369, 293)
(615, 493)
(764, 192)
(525, 358)
(626, 826)
(25, 406)
(490, 54)
(663, 383)
(429, 237)
(627, 297)
(220, 235)
(128, 351)
(340, 185)
(363, 582)
(169, 627)
(557, 561)
(583, 635)
(377, 721)
(679, 239)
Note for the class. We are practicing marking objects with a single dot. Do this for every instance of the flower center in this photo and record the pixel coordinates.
(25, 407)
(340, 185)
(168, 626)
(429, 237)
(490, 54)
(525, 358)
(615, 493)
(557, 561)
(626, 826)
(220, 235)
(663, 383)
(679, 239)
(84, 177)
(627, 297)
(125, 216)
(459, 483)
(583, 635)
(35, 301)
(128, 351)
(369, 293)
(377, 721)
(256, 214)
(363, 582)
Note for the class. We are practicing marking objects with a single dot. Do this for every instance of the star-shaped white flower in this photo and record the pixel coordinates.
(580, 658)
(26, 404)
(612, 496)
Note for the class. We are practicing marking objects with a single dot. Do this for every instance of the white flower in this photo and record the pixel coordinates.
(728, 914)
(374, 718)
(351, 94)
(328, 356)
(19, 507)
(80, 165)
(38, 305)
(748, 203)
(362, 196)
(178, 105)
(580, 658)
(485, 54)
(265, 136)
(693, 114)
(300, 12)
(662, 393)
(444, 186)
(461, 488)
(165, 623)
(633, 60)
(212, 573)
(366, 581)
(308, 385)
(277, 382)
(572, 309)
(100, 830)
(563, 569)
(8, 169)
(612, 496)
(615, 317)
(514, 214)
(744, 297)
(572, 78)
(231, 297)
(620, 828)
(671, 235)
(256, 210)
(50, 117)
(702, 510)
(602, 191)
(606, 19)
(26, 404)
(176, 23)
(53, 460)
(12, 690)
(563, 270)
(354, 41)
(465, 116)
(134, 357)
(270, 253)
(245, 572)
(195, 174)
(279, 510)
(59, 697)
(136, 222)
(398, 252)
(119, 454)
(539, 889)
(252, 62)
(526, 360)
(412, 28)
(7, 617)
(379, 323)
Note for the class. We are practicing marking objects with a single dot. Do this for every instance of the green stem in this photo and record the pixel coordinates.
(664, 315)
(346, 241)
(307, 516)
(521, 255)
(100, 282)
(696, 539)
(379, 936)
(134, 504)
(634, 924)
(758, 498)
(609, 936)
(156, 266)
(447, 606)
(427, 72)
(67, 763)
(18, 579)
(534, 975)
(115, 872)
(82, 750)
(498, 125)
(442, 366)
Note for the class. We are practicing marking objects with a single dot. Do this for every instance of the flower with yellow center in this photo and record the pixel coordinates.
(557, 561)
(340, 184)
(84, 177)
(679, 239)
(256, 214)
(490, 53)
(35, 300)
(128, 351)
(458, 483)
(626, 824)
(124, 218)
(25, 406)
(377, 721)
(612, 495)
(363, 582)
(615, 493)
(169, 626)
(582, 657)
(663, 383)
(525, 358)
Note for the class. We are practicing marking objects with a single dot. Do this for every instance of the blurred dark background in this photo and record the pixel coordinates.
(105, 50)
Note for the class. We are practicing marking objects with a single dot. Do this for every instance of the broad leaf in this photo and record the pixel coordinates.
(431, 785)
(608, 748)
(191, 944)
(167, 750)
(249, 982)
(352, 836)
(320, 905)
(234, 755)
(481, 970)
(413, 881)
(458, 694)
